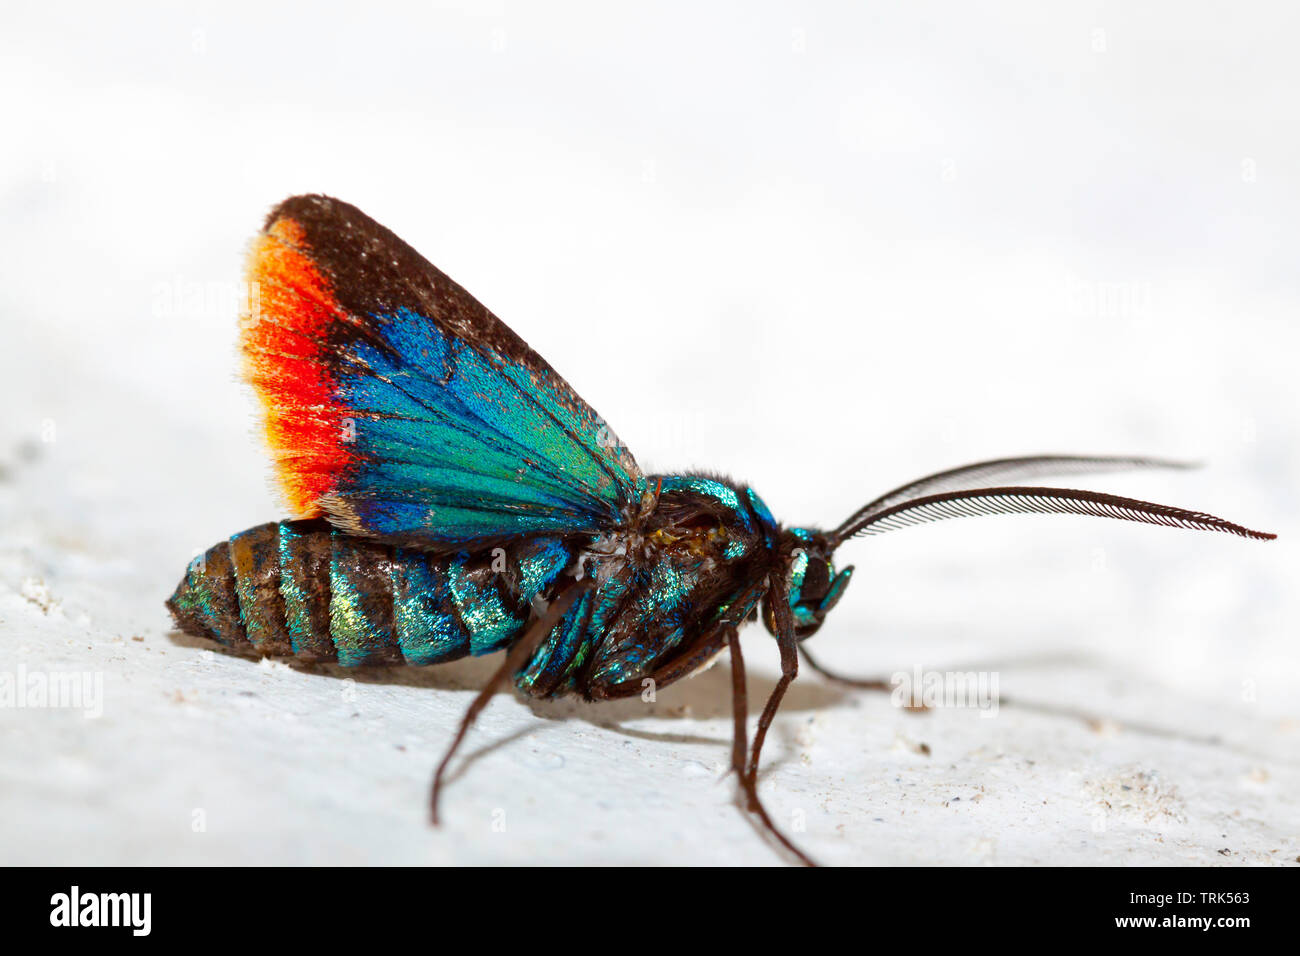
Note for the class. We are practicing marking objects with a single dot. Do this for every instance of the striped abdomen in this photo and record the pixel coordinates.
(301, 588)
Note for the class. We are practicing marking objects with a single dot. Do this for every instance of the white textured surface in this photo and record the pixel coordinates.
(826, 253)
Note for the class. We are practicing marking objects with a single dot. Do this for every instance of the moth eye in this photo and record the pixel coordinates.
(816, 582)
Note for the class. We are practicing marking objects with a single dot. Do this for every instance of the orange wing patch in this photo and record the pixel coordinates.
(283, 333)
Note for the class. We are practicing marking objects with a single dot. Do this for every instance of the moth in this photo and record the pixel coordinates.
(452, 495)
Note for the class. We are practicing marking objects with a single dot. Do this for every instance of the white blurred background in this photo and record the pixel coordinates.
(825, 248)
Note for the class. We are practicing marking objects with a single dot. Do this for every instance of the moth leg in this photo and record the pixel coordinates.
(862, 683)
(516, 657)
(1090, 720)
(739, 705)
(789, 671)
(878, 684)
(740, 710)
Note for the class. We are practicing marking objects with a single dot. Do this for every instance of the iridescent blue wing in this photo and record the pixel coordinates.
(400, 408)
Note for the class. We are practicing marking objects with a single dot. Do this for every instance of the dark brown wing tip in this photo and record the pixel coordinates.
(305, 203)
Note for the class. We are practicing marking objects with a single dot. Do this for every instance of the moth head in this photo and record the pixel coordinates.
(815, 586)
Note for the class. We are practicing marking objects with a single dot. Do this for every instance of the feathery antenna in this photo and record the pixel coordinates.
(1032, 500)
(1002, 471)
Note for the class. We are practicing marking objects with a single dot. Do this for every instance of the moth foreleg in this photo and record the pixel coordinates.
(875, 683)
(740, 711)
(862, 683)
(789, 671)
